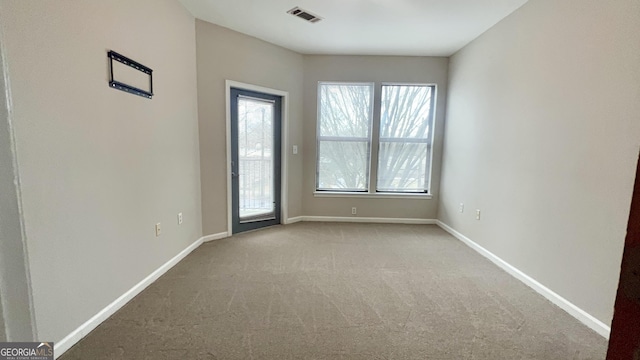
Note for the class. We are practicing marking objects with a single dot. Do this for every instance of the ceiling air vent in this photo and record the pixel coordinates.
(304, 14)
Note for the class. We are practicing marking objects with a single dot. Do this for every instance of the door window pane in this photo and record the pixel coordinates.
(255, 158)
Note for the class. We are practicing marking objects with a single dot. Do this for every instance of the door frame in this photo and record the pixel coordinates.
(284, 181)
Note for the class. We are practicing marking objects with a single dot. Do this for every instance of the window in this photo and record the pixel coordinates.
(402, 138)
(344, 136)
(406, 114)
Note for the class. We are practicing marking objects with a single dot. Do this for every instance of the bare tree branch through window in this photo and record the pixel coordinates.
(344, 137)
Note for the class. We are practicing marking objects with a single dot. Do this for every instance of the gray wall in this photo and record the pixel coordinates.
(431, 70)
(16, 323)
(99, 167)
(224, 54)
(542, 135)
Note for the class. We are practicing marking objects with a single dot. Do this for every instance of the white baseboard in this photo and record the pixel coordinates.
(293, 220)
(369, 220)
(217, 236)
(83, 330)
(584, 317)
(598, 326)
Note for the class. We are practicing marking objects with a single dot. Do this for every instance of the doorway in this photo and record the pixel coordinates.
(256, 120)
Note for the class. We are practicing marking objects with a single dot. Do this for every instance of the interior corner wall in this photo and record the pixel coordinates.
(16, 307)
(225, 54)
(542, 135)
(100, 167)
(398, 69)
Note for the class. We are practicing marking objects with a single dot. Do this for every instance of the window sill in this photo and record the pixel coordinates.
(366, 195)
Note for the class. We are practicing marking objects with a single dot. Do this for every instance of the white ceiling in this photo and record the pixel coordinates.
(360, 27)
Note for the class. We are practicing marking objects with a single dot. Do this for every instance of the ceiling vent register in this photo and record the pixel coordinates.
(304, 15)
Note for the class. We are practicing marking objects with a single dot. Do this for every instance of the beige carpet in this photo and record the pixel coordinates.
(339, 291)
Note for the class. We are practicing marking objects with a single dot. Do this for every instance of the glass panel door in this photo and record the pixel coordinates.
(255, 129)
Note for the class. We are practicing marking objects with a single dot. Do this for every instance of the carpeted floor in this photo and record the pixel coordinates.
(339, 291)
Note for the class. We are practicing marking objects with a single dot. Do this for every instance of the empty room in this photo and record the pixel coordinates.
(279, 179)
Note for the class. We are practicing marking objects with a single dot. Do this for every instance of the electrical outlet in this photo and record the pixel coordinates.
(158, 230)
(179, 218)
(295, 149)
(461, 207)
(477, 214)
(354, 211)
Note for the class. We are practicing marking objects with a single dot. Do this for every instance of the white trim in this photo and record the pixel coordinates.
(433, 139)
(284, 180)
(598, 326)
(584, 317)
(368, 195)
(83, 330)
(284, 156)
(369, 220)
(214, 237)
(228, 86)
(293, 220)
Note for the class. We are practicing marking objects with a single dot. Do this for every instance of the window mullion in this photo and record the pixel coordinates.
(374, 138)
(345, 139)
(406, 140)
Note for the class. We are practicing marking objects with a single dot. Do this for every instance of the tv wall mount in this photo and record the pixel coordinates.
(115, 84)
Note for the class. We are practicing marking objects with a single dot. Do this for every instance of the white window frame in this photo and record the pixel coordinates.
(369, 138)
(428, 141)
(374, 133)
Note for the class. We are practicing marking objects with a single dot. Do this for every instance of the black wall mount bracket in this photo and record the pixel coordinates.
(115, 84)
